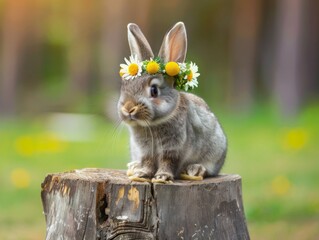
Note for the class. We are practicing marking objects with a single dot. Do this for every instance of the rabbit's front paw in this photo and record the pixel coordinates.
(137, 178)
(131, 168)
(194, 172)
(163, 177)
(137, 173)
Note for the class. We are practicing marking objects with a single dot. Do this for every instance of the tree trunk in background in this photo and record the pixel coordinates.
(112, 42)
(81, 48)
(287, 68)
(246, 23)
(14, 34)
(310, 55)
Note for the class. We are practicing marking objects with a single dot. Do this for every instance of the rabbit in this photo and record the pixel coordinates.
(173, 134)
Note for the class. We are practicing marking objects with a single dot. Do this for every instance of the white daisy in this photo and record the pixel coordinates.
(183, 67)
(192, 77)
(132, 68)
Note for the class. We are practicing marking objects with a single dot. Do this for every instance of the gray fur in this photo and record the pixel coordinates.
(171, 134)
(139, 46)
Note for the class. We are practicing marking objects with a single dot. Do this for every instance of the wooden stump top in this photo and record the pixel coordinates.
(100, 175)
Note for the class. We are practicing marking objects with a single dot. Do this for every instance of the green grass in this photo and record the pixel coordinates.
(278, 162)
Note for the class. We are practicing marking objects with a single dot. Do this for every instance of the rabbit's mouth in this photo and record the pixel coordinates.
(134, 121)
(135, 114)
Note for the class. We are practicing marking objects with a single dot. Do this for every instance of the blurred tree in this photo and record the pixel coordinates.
(287, 68)
(82, 48)
(246, 20)
(111, 42)
(15, 30)
(20, 57)
(310, 50)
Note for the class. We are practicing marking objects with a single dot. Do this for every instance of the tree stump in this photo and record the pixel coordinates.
(105, 204)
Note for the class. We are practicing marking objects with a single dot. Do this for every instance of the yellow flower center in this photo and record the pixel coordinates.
(190, 76)
(121, 72)
(152, 67)
(172, 68)
(133, 69)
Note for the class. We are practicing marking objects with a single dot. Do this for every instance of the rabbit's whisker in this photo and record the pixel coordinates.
(117, 130)
(152, 137)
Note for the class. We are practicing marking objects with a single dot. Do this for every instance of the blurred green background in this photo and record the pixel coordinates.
(59, 83)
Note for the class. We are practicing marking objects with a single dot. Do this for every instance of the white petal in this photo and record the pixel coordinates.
(134, 58)
(196, 75)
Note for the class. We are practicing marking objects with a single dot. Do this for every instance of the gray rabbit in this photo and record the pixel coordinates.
(173, 134)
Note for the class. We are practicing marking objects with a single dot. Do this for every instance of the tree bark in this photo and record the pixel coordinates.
(105, 204)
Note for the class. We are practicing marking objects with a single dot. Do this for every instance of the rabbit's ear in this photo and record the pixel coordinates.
(138, 44)
(174, 45)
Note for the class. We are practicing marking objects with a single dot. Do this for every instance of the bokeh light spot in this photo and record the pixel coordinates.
(295, 139)
(25, 145)
(29, 145)
(20, 178)
(280, 185)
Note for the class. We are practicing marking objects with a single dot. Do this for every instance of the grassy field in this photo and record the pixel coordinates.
(278, 161)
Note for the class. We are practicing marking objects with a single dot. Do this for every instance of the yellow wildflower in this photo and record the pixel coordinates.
(172, 68)
(152, 67)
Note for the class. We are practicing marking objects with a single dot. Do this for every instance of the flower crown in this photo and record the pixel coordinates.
(185, 74)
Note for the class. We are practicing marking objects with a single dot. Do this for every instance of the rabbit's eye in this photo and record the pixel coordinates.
(154, 91)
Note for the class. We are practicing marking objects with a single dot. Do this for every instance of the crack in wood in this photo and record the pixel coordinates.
(90, 210)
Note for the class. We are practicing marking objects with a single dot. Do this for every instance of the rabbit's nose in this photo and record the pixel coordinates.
(129, 109)
(133, 110)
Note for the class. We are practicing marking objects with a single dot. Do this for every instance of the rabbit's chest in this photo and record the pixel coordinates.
(158, 140)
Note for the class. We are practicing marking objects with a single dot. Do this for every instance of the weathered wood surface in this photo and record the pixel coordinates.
(105, 204)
